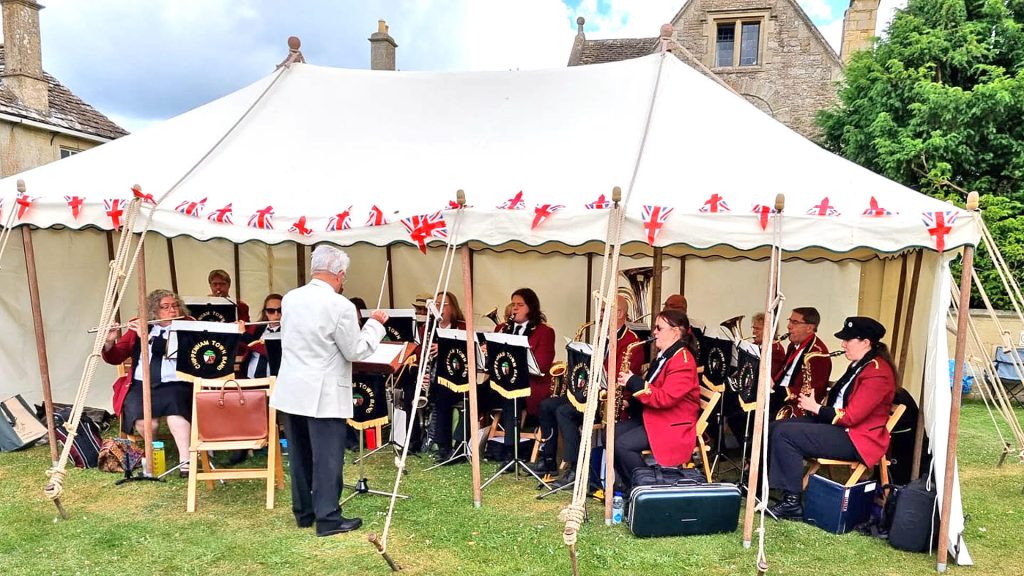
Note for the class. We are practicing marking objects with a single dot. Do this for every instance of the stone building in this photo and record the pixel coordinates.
(768, 51)
(40, 119)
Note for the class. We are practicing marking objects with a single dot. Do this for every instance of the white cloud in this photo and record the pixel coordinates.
(833, 33)
(817, 9)
(626, 19)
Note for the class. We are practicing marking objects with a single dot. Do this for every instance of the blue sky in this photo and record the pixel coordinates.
(142, 62)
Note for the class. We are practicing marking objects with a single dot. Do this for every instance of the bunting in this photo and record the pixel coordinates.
(137, 192)
(823, 209)
(422, 228)
(714, 205)
(115, 210)
(940, 224)
(263, 219)
(376, 217)
(193, 209)
(599, 204)
(875, 210)
(75, 203)
(299, 227)
(514, 203)
(340, 221)
(542, 212)
(654, 220)
(763, 212)
(221, 215)
(24, 202)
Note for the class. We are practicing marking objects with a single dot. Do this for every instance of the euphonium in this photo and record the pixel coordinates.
(792, 408)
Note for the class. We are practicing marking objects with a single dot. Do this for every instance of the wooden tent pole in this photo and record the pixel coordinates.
(609, 406)
(300, 261)
(110, 256)
(173, 267)
(238, 271)
(37, 325)
(954, 408)
(899, 307)
(391, 278)
(474, 414)
(147, 392)
(659, 259)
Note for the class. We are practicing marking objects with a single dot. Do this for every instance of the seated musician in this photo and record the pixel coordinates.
(670, 398)
(558, 415)
(527, 319)
(678, 302)
(736, 418)
(220, 285)
(255, 363)
(802, 328)
(445, 399)
(849, 426)
(171, 398)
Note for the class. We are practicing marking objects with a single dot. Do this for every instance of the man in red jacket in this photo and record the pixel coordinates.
(849, 426)
(802, 328)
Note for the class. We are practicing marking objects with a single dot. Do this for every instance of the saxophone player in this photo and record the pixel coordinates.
(559, 416)
(802, 328)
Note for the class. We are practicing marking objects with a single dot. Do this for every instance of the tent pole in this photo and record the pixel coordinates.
(391, 278)
(238, 272)
(110, 256)
(590, 288)
(656, 283)
(904, 343)
(899, 306)
(174, 269)
(682, 274)
(37, 325)
(474, 415)
(915, 464)
(967, 269)
(610, 416)
(147, 393)
(300, 269)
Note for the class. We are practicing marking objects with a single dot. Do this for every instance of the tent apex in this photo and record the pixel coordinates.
(294, 54)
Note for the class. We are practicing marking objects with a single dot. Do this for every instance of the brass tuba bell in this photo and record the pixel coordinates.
(492, 315)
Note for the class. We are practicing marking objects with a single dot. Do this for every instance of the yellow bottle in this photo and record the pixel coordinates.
(159, 462)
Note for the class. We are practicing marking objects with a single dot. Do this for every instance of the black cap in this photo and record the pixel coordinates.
(861, 327)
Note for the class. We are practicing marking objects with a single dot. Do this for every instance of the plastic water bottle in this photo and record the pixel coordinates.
(617, 503)
(159, 460)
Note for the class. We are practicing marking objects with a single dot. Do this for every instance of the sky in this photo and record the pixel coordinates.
(140, 62)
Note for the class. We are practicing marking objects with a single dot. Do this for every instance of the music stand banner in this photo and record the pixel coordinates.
(508, 364)
(401, 324)
(452, 362)
(577, 370)
(272, 342)
(205, 349)
(369, 401)
(715, 356)
(747, 366)
(211, 309)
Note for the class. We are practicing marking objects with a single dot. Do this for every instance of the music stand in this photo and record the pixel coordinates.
(715, 356)
(451, 367)
(577, 386)
(510, 379)
(388, 359)
(744, 381)
(211, 308)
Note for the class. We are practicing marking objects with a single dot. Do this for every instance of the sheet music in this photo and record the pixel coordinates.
(391, 312)
(584, 347)
(386, 353)
(516, 340)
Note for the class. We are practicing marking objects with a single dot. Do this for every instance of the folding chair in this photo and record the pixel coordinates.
(859, 468)
(709, 398)
(272, 474)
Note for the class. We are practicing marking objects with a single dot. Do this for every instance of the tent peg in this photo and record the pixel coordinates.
(373, 539)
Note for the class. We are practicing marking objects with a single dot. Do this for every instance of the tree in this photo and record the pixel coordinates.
(937, 106)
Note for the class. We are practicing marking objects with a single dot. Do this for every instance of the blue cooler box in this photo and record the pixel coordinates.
(835, 508)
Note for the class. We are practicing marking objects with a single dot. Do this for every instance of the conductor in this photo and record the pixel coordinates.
(320, 339)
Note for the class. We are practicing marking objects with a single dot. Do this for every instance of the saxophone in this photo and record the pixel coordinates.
(623, 367)
(792, 407)
(557, 371)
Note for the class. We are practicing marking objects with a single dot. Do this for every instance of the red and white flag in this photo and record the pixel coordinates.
(514, 203)
(421, 228)
(654, 219)
(193, 209)
(714, 205)
(221, 215)
(940, 224)
(823, 209)
(24, 202)
(763, 212)
(262, 219)
(300, 227)
(137, 192)
(599, 204)
(340, 221)
(75, 203)
(453, 205)
(376, 217)
(875, 210)
(115, 210)
(542, 212)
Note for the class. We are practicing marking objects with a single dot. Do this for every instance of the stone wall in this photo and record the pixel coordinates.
(23, 147)
(858, 27)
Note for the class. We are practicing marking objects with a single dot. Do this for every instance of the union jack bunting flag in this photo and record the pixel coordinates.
(340, 221)
(193, 209)
(376, 217)
(654, 219)
(763, 212)
(424, 227)
(453, 205)
(115, 209)
(599, 204)
(300, 227)
(24, 202)
(137, 192)
(823, 208)
(75, 203)
(263, 219)
(939, 224)
(715, 204)
(542, 212)
(875, 210)
(221, 215)
(514, 203)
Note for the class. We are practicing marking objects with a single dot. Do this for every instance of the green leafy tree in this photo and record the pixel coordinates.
(938, 105)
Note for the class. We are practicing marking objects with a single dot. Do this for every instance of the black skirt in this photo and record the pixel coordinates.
(168, 399)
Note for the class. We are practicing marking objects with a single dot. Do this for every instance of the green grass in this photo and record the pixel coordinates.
(142, 528)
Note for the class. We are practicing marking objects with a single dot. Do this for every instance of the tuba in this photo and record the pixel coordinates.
(638, 295)
(492, 315)
(792, 409)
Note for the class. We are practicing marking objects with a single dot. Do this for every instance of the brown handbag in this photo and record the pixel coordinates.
(225, 415)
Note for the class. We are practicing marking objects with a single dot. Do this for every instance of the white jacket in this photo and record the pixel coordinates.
(320, 338)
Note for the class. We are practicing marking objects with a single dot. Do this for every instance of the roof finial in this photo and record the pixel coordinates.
(579, 24)
(294, 55)
(666, 30)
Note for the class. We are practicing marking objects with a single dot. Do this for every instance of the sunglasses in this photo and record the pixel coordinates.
(272, 310)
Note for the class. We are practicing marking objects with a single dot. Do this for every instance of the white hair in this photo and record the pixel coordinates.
(328, 259)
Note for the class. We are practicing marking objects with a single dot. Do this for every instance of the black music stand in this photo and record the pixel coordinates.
(506, 374)
(211, 308)
(452, 364)
(388, 360)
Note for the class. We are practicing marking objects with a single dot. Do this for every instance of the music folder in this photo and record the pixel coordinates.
(460, 335)
(516, 340)
(386, 359)
(401, 324)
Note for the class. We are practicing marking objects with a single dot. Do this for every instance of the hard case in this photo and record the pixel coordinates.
(836, 508)
(682, 510)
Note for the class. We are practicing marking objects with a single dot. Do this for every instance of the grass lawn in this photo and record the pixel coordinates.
(142, 528)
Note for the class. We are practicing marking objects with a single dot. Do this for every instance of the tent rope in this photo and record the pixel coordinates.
(114, 294)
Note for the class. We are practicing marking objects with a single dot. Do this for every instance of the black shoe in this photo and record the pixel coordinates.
(544, 466)
(237, 457)
(346, 525)
(789, 508)
(443, 456)
(504, 467)
(304, 523)
(565, 480)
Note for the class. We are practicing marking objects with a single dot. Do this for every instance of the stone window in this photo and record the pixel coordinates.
(65, 152)
(739, 39)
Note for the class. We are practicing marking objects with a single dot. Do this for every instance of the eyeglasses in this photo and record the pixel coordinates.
(169, 306)
(791, 321)
(659, 328)
(272, 310)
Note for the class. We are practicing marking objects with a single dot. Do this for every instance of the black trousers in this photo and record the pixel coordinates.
(445, 400)
(511, 408)
(630, 441)
(792, 440)
(316, 453)
(559, 416)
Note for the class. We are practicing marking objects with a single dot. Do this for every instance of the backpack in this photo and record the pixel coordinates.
(915, 518)
(116, 454)
(18, 426)
(85, 449)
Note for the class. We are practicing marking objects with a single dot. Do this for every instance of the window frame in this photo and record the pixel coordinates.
(67, 152)
(737, 18)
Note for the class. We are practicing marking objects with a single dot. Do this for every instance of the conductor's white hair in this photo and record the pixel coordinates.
(328, 259)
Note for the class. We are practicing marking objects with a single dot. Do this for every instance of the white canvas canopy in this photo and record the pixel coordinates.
(308, 143)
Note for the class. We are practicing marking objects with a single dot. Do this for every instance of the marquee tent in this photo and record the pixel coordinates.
(312, 154)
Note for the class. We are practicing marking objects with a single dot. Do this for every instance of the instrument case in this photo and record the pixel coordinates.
(836, 508)
(684, 509)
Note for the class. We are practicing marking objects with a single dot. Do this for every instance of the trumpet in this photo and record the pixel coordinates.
(792, 407)
(128, 324)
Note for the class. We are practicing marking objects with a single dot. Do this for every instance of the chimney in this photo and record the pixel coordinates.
(23, 66)
(576, 54)
(382, 48)
(858, 27)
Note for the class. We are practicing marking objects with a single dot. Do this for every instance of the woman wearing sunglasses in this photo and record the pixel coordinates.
(256, 362)
(669, 395)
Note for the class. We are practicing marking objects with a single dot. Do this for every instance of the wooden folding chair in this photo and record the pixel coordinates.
(272, 473)
(709, 398)
(858, 468)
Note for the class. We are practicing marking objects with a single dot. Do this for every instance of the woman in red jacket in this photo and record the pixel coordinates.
(850, 425)
(669, 395)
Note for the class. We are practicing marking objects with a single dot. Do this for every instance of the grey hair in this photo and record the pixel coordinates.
(756, 317)
(328, 259)
(153, 303)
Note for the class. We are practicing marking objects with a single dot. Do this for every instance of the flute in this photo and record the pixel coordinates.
(128, 324)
